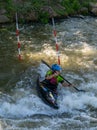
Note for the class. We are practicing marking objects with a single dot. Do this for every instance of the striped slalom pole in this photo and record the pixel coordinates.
(18, 40)
(55, 36)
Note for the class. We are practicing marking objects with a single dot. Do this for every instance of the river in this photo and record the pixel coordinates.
(20, 106)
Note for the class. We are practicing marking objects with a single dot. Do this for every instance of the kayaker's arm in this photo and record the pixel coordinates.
(66, 84)
(52, 75)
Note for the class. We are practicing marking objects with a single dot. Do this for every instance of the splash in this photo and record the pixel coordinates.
(88, 50)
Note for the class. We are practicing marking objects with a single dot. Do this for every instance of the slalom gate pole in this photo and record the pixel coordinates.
(18, 40)
(55, 36)
(79, 90)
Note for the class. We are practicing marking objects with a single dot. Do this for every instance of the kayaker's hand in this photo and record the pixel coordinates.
(71, 85)
(51, 76)
(56, 73)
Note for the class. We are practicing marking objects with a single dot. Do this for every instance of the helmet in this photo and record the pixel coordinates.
(56, 67)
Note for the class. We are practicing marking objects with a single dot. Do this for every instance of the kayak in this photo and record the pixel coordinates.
(48, 96)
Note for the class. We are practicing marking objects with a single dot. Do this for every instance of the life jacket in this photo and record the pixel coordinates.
(52, 81)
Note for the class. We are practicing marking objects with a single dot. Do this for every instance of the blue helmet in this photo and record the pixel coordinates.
(56, 67)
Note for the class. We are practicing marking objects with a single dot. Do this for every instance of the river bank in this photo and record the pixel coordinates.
(43, 10)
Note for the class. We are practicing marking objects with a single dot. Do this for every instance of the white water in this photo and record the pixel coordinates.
(24, 103)
(22, 109)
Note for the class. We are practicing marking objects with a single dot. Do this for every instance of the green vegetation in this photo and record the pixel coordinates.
(8, 5)
(26, 7)
(44, 17)
(71, 6)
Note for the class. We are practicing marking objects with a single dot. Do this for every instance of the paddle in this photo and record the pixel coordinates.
(63, 77)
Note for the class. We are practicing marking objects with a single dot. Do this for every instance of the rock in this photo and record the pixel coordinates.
(92, 5)
(94, 11)
(31, 16)
(4, 19)
(2, 11)
(50, 11)
(93, 8)
(84, 10)
(18, 1)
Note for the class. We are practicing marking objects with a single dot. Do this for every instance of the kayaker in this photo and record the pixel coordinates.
(53, 78)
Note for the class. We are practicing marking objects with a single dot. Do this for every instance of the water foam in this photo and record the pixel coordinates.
(27, 103)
